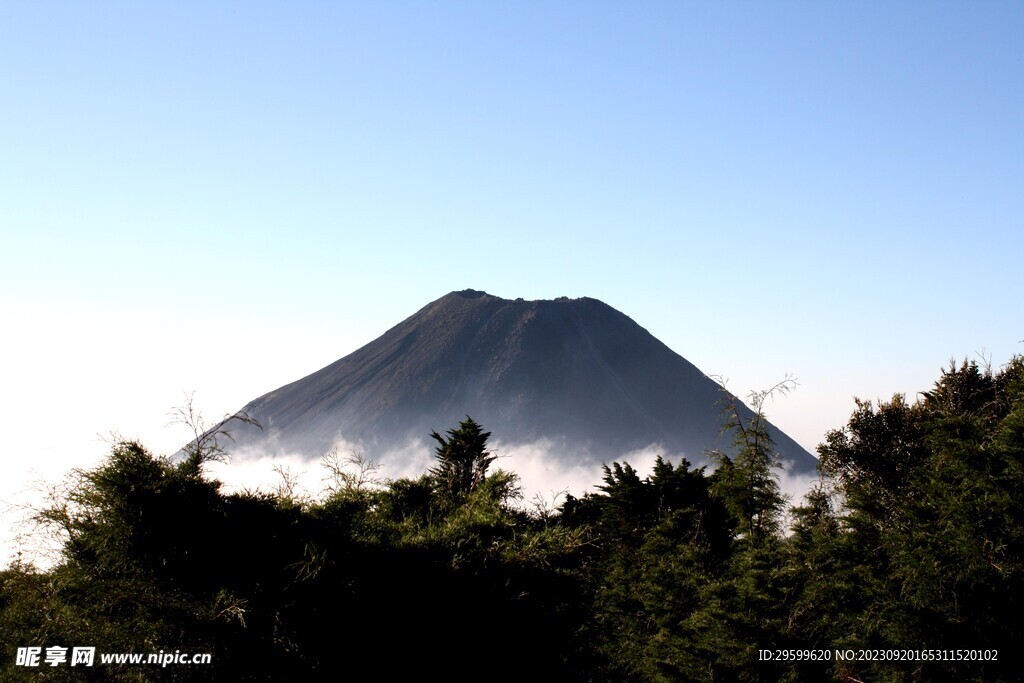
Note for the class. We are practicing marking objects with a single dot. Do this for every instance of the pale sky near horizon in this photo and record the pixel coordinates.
(223, 198)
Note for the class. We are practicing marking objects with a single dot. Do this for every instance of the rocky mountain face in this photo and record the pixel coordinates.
(575, 374)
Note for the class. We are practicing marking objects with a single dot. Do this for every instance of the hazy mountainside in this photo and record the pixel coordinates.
(576, 373)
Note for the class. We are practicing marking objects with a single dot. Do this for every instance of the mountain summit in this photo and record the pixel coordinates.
(575, 374)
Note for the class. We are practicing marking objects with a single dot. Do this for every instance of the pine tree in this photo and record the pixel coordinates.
(748, 483)
(462, 460)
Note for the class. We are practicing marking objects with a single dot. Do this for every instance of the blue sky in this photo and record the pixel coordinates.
(224, 198)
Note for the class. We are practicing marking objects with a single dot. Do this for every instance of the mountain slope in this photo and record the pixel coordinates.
(576, 373)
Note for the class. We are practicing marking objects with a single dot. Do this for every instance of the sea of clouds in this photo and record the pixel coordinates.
(547, 471)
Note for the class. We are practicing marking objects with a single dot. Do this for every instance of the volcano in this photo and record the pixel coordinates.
(574, 374)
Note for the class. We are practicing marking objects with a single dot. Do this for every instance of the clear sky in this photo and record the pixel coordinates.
(224, 197)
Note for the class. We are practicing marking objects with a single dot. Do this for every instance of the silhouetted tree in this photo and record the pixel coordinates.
(462, 459)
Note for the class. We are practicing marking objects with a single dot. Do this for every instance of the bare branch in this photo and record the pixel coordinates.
(544, 508)
(288, 488)
(204, 446)
(351, 473)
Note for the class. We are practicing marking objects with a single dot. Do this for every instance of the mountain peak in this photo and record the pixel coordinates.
(472, 294)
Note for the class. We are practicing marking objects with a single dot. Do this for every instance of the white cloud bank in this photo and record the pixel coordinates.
(547, 471)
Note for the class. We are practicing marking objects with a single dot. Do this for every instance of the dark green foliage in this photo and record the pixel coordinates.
(157, 557)
(913, 539)
(933, 495)
(462, 460)
(747, 483)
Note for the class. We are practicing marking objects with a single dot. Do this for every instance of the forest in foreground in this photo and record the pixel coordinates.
(912, 543)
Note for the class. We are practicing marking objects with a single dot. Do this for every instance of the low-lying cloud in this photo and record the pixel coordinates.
(547, 470)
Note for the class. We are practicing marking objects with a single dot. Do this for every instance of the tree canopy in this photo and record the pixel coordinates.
(913, 540)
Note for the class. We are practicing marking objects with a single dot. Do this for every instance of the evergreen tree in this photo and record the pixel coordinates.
(748, 482)
(932, 494)
(462, 460)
